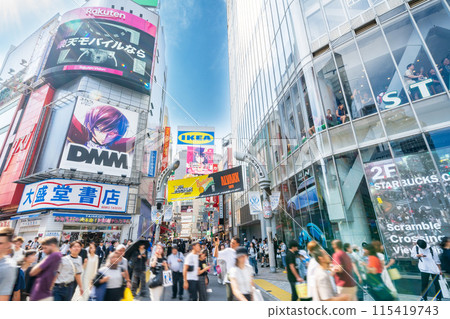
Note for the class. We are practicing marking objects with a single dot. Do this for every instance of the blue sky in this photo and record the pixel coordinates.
(197, 53)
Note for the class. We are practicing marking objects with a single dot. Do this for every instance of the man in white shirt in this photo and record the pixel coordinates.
(35, 243)
(228, 256)
(64, 248)
(69, 273)
(190, 272)
(429, 265)
(175, 261)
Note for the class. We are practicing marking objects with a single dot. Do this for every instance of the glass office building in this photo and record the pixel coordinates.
(347, 104)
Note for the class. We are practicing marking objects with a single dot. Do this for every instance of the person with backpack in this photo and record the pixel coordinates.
(429, 266)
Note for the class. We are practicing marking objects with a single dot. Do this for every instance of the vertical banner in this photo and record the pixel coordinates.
(153, 156)
(254, 200)
(165, 155)
(408, 202)
(221, 206)
(275, 200)
(156, 216)
(216, 218)
(168, 213)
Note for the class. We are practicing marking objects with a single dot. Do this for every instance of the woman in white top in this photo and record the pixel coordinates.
(90, 270)
(241, 277)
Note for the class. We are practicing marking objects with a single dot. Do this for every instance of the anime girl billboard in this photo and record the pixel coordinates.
(199, 161)
(101, 138)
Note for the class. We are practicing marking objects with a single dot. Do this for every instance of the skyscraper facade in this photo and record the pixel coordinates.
(347, 104)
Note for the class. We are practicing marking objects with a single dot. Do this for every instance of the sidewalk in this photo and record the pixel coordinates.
(277, 285)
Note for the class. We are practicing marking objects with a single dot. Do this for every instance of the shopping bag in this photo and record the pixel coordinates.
(377, 289)
(257, 295)
(302, 290)
(167, 278)
(444, 287)
(127, 295)
(394, 274)
(218, 269)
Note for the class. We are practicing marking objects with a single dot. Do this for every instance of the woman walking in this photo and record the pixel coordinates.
(253, 255)
(241, 277)
(158, 263)
(90, 270)
(26, 266)
(384, 274)
(203, 279)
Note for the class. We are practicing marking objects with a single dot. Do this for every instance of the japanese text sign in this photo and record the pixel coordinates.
(73, 195)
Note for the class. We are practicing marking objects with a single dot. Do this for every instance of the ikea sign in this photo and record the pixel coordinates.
(195, 138)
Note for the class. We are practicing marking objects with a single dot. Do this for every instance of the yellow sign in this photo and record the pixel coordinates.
(188, 188)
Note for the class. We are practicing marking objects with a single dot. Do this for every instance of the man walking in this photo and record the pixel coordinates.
(343, 271)
(45, 271)
(292, 274)
(8, 268)
(139, 260)
(69, 273)
(100, 252)
(429, 266)
(190, 272)
(175, 261)
(227, 258)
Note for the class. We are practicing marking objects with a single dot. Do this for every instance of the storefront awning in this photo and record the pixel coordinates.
(26, 216)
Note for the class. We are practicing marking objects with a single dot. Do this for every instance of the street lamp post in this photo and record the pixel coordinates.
(264, 184)
(161, 191)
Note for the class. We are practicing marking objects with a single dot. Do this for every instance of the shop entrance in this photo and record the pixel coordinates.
(89, 234)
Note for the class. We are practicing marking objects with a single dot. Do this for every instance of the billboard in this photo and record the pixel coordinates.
(195, 138)
(104, 41)
(166, 145)
(254, 200)
(144, 220)
(220, 183)
(199, 160)
(408, 202)
(101, 138)
(74, 195)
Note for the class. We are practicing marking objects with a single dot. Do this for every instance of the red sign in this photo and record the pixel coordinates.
(11, 192)
(165, 154)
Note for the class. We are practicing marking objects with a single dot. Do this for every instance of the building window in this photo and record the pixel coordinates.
(121, 8)
(314, 19)
(417, 70)
(355, 7)
(356, 88)
(386, 83)
(334, 13)
(140, 15)
(330, 91)
(113, 6)
(434, 24)
(131, 11)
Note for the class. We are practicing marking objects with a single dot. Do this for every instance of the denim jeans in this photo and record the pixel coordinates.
(254, 263)
(63, 293)
(137, 279)
(283, 260)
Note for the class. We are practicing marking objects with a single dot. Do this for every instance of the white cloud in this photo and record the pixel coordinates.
(177, 16)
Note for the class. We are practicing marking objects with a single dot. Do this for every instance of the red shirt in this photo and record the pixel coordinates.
(344, 278)
(374, 262)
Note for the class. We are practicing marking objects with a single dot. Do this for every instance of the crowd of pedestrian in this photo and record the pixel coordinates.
(45, 269)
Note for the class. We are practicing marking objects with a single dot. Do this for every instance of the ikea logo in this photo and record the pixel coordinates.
(195, 138)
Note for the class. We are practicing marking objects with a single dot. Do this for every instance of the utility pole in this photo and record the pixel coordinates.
(264, 184)
(161, 192)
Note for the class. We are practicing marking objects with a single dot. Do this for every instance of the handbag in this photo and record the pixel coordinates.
(444, 287)
(218, 269)
(377, 289)
(127, 295)
(394, 274)
(157, 280)
(167, 278)
(302, 290)
(257, 295)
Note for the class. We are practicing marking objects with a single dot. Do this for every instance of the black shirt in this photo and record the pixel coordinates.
(159, 262)
(201, 265)
(290, 259)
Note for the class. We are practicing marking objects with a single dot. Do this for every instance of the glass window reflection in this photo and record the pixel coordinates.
(355, 7)
(419, 74)
(434, 23)
(334, 12)
(386, 83)
(314, 19)
(354, 81)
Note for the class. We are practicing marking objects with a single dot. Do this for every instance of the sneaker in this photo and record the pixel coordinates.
(262, 266)
(180, 297)
(174, 297)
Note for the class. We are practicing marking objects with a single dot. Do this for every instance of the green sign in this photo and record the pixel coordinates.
(147, 3)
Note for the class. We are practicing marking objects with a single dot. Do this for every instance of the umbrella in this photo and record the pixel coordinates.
(135, 246)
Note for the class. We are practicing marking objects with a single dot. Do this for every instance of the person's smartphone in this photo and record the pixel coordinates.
(424, 255)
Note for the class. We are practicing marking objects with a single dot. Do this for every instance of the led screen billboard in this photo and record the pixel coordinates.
(199, 161)
(104, 41)
(101, 138)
